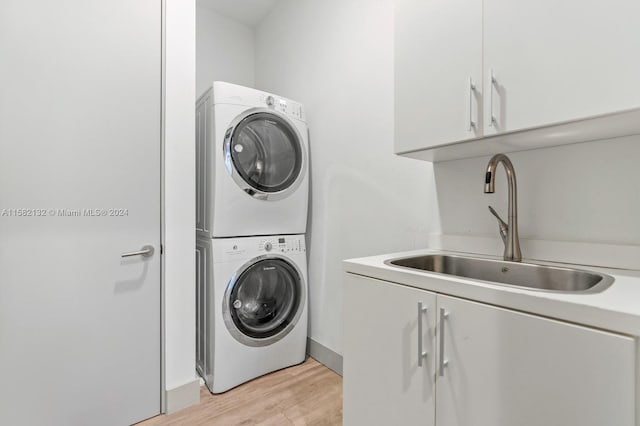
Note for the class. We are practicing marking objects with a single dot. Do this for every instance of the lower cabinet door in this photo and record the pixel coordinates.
(384, 382)
(505, 368)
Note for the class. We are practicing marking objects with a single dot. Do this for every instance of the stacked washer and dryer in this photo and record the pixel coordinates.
(252, 194)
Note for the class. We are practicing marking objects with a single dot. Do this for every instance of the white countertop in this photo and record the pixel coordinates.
(617, 308)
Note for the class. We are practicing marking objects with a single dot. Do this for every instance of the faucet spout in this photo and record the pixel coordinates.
(512, 250)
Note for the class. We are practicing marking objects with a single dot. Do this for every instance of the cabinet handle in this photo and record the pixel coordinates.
(421, 354)
(494, 85)
(443, 362)
(472, 90)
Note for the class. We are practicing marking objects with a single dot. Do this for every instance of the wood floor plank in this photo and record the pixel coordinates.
(308, 394)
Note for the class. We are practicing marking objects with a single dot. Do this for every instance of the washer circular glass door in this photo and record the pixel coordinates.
(264, 154)
(263, 300)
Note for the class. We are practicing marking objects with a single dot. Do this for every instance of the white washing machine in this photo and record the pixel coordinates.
(251, 308)
(252, 163)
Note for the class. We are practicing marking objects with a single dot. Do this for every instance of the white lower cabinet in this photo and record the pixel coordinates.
(383, 381)
(506, 368)
(486, 366)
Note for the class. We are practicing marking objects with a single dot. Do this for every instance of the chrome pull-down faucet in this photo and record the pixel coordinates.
(509, 230)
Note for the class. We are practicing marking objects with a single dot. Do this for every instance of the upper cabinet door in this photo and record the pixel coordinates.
(557, 61)
(438, 57)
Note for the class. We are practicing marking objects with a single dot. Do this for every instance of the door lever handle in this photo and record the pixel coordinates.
(145, 251)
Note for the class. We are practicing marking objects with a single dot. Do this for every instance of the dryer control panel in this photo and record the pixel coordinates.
(228, 249)
(227, 93)
(284, 106)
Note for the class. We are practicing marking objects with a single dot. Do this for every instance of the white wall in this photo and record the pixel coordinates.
(336, 57)
(179, 266)
(224, 50)
(585, 193)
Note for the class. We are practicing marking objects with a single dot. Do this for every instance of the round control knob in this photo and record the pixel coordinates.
(268, 246)
(270, 101)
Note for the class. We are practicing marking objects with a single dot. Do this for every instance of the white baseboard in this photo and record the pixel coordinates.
(183, 396)
(325, 356)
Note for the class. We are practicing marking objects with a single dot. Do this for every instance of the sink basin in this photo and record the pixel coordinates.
(539, 277)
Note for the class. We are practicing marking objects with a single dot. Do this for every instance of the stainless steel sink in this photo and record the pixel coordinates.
(539, 277)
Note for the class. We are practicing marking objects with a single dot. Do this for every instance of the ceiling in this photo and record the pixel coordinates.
(248, 12)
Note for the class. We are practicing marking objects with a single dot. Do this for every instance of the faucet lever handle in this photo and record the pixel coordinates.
(504, 228)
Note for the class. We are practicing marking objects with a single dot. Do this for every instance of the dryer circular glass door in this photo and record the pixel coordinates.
(264, 154)
(263, 300)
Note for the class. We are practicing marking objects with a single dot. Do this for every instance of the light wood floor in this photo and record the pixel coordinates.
(307, 394)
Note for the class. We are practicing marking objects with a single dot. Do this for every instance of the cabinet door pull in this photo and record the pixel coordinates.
(492, 87)
(421, 353)
(443, 362)
(472, 90)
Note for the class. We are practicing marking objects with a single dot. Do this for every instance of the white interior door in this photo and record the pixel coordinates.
(80, 87)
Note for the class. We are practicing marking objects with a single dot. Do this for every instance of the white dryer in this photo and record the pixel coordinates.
(251, 309)
(252, 163)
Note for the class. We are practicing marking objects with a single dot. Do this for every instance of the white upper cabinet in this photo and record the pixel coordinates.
(557, 61)
(545, 73)
(438, 56)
